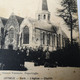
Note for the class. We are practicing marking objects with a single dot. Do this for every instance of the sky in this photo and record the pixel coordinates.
(28, 8)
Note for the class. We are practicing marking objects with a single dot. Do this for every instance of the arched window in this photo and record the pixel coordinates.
(48, 39)
(59, 40)
(49, 17)
(11, 34)
(43, 37)
(53, 40)
(17, 39)
(38, 17)
(63, 41)
(21, 40)
(25, 35)
(44, 16)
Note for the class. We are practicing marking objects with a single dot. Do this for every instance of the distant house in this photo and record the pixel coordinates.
(27, 32)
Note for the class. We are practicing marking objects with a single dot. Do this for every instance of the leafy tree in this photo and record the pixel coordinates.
(68, 13)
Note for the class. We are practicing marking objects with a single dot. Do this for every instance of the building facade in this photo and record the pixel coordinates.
(27, 32)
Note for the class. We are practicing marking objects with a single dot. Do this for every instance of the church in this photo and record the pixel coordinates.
(17, 32)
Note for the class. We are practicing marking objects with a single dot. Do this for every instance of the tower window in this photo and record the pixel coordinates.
(38, 17)
(44, 16)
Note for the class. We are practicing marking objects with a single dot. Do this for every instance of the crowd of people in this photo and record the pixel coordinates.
(68, 56)
(15, 59)
(38, 56)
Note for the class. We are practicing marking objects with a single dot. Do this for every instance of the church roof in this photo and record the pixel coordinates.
(44, 25)
(19, 19)
(4, 20)
(57, 28)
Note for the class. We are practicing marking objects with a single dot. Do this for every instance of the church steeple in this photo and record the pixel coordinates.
(44, 5)
(43, 13)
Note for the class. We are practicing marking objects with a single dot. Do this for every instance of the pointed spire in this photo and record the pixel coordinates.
(44, 5)
(43, 13)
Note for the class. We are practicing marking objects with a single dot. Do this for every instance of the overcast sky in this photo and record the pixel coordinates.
(28, 8)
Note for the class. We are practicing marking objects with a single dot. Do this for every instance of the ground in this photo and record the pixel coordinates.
(41, 73)
(59, 73)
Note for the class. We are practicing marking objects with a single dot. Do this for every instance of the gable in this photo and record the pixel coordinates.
(26, 22)
(12, 21)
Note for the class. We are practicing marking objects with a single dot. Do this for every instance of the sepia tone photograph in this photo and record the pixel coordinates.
(39, 40)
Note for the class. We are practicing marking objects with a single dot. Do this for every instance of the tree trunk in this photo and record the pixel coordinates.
(71, 34)
(71, 24)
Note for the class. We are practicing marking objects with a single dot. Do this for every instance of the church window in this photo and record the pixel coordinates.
(49, 17)
(48, 39)
(44, 16)
(17, 39)
(38, 17)
(62, 40)
(59, 40)
(11, 33)
(25, 35)
(43, 37)
(21, 40)
(53, 40)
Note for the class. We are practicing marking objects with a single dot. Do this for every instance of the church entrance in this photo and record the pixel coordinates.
(10, 47)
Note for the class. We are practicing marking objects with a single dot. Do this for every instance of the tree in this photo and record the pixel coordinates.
(68, 12)
(3, 39)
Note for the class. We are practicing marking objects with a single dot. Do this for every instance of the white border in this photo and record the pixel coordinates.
(78, 1)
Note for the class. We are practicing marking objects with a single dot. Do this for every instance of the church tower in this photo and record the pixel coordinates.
(43, 13)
